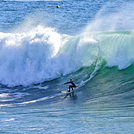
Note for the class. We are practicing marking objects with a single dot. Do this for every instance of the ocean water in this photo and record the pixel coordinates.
(42, 47)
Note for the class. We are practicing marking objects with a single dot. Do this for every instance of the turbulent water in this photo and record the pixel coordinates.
(42, 47)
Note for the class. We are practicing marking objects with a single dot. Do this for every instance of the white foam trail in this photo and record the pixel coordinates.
(11, 119)
(37, 100)
(4, 95)
(39, 87)
(97, 67)
(6, 105)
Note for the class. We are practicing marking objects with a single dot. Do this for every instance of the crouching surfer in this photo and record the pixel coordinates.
(71, 86)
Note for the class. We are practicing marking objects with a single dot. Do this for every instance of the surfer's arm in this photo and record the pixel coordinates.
(67, 82)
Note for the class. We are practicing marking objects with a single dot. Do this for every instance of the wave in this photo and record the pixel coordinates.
(43, 54)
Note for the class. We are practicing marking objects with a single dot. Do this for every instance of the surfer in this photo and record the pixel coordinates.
(71, 86)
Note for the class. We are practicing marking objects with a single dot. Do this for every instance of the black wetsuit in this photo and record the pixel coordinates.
(71, 86)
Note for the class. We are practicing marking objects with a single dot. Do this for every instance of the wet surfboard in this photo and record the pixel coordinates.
(66, 92)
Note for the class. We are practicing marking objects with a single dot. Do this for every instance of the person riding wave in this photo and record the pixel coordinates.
(71, 86)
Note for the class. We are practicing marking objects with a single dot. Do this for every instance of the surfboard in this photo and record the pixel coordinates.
(66, 92)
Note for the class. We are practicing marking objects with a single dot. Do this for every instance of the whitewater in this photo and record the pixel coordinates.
(43, 54)
(42, 47)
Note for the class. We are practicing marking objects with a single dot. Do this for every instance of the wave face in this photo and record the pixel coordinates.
(43, 54)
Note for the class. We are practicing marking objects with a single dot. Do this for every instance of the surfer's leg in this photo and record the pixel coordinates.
(69, 88)
(72, 87)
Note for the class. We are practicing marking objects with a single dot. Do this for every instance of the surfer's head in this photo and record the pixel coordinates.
(71, 79)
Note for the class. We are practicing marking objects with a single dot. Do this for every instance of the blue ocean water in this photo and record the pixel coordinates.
(42, 47)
